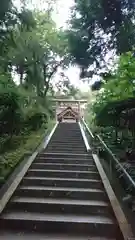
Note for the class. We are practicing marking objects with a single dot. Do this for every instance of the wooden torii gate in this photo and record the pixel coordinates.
(69, 110)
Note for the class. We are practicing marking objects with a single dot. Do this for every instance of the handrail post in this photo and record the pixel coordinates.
(110, 167)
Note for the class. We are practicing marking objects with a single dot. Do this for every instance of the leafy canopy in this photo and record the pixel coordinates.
(119, 87)
(98, 27)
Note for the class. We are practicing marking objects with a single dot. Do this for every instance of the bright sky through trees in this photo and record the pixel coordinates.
(61, 15)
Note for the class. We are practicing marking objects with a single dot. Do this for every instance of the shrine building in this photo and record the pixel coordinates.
(69, 110)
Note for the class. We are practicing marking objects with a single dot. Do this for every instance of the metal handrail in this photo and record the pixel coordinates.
(110, 152)
(84, 137)
(116, 161)
(87, 128)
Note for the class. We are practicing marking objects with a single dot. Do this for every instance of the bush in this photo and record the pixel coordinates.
(34, 118)
(10, 112)
(3, 142)
(27, 144)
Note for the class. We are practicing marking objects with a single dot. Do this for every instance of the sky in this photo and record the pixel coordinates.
(61, 15)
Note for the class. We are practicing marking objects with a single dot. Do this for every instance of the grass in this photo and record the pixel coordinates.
(21, 145)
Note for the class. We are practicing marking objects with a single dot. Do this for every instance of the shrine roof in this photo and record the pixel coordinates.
(66, 110)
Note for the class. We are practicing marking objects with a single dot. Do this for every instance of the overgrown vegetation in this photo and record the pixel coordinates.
(31, 51)
(101, 41)
(114, 105)
(113, 114)
(21, 146)
(98, 28)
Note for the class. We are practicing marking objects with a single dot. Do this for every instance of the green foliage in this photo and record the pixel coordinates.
(31, 51)
(35, 50)
(96, 28)
(96, 86)
(66, 88)
(34, 118)
(26, 144)
(113, 108)
(23, 122)
(18, 110)
(10, 112)
(120, 86)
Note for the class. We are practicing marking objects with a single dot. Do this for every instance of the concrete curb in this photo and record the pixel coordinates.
(14, 180)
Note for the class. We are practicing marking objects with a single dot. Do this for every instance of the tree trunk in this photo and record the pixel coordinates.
(21, 78)
(46, 88)
(21, 71)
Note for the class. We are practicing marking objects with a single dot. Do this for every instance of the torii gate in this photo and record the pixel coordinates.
(69, 110)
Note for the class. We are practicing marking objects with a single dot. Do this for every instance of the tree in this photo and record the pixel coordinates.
(38, 52)
(96, 86)
(11, 19)
(98, 27)
(55, 47)
(65, 88)
(113, 112)
(25, 50)
(118, 90)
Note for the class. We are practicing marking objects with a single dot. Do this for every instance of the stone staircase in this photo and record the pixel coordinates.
(61, 197)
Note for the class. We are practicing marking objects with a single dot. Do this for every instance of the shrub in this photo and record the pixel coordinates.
(10, 112)
(34, 118)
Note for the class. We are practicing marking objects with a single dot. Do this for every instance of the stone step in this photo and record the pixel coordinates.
(60, 141)
(61, 196)
(62, 206)
(67, 140)
(67, 146)
(17, 235)
(67, 127)
(63, 160)
(65, 155)
(57, 223)
(72, 135)
(68, 136)
(64, 143)
(62, 182)
(70, 131)
(63, 173)
(61, 166)
(61, 192)
(60, 150)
